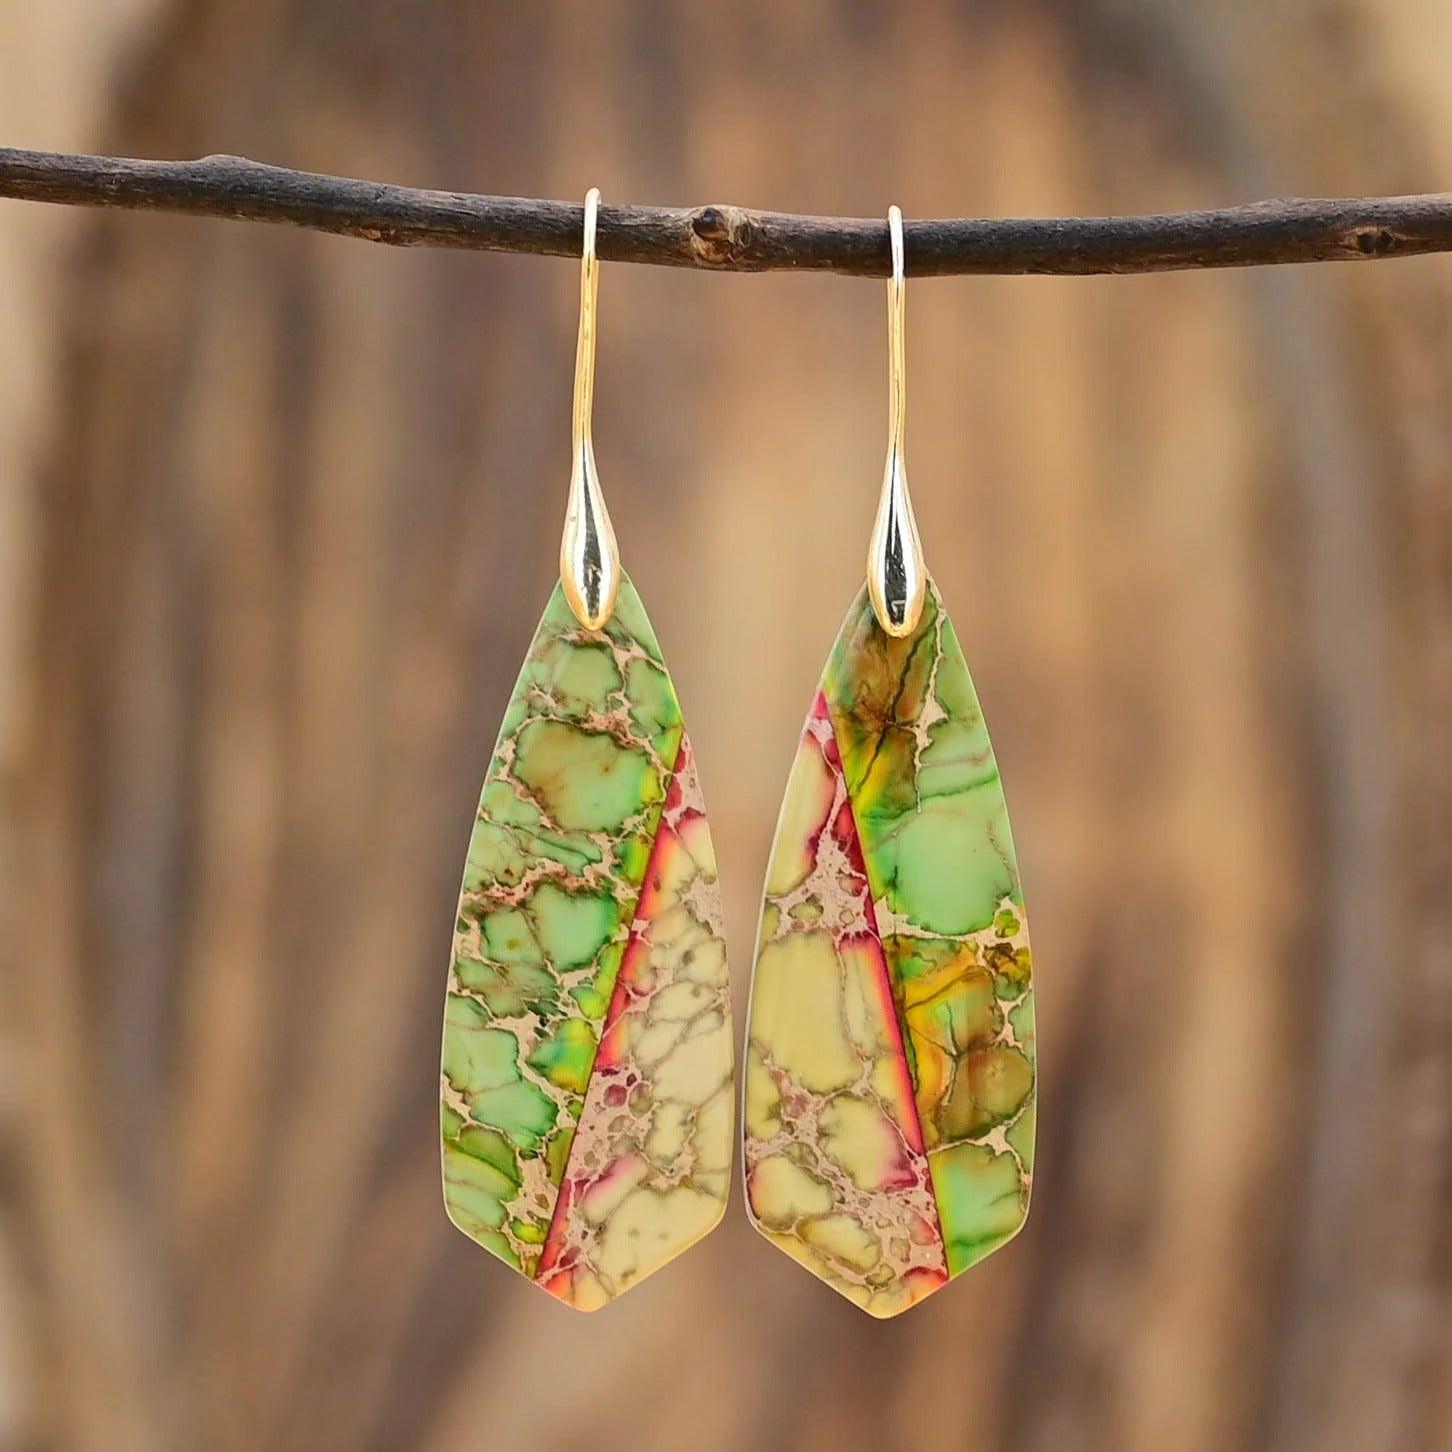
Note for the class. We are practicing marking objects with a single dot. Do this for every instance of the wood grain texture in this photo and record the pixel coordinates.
(299, 512)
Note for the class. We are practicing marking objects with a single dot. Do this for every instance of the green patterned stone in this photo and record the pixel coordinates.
(566, 821)
(893, 962)
(939, 853)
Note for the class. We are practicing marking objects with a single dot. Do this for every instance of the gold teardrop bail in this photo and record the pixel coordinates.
(896, 573)
(589, 554)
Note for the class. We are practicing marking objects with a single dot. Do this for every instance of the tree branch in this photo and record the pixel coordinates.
(734, 239)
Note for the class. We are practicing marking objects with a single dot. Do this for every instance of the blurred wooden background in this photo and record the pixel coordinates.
(280, 511)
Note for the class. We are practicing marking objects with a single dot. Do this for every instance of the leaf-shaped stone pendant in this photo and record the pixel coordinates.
(889, 1082)
(586, 1084)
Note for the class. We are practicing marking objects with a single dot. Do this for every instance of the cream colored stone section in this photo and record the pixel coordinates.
(649, 1168)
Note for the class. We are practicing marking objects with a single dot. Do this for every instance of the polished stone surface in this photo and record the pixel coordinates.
(586, 1105)
(890, 1068)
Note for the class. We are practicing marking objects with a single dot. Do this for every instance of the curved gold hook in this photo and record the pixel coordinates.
(896, 573)
(589, 554)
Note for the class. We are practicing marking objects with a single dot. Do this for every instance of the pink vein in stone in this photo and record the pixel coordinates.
(607, 1159)
(901, 1211)
(844, 830)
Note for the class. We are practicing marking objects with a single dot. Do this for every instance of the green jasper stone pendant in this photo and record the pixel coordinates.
(890, 1068)
(587, 1060)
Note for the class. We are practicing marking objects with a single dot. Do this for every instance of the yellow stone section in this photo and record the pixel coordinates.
(796, 978)
(803, 812)
(835, 1170)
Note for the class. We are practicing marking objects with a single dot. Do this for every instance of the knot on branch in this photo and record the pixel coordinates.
(721, 236)
(1375, 241)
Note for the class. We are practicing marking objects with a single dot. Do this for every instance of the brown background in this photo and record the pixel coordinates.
(280, 512)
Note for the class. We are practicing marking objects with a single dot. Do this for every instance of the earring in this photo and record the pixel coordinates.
(889, 1084)
(587, 1058)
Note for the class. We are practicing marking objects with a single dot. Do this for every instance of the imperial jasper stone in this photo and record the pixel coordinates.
(889, 1085)
(586, 1084)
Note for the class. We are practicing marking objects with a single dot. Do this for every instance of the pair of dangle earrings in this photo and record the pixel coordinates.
(587, 1077)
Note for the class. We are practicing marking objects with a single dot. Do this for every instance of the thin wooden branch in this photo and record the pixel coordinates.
(734, 239)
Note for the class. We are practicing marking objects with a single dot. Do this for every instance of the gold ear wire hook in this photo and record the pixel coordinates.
(589, 554)
(896, 573)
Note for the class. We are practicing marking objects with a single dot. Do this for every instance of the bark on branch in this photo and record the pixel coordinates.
(736, 239)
